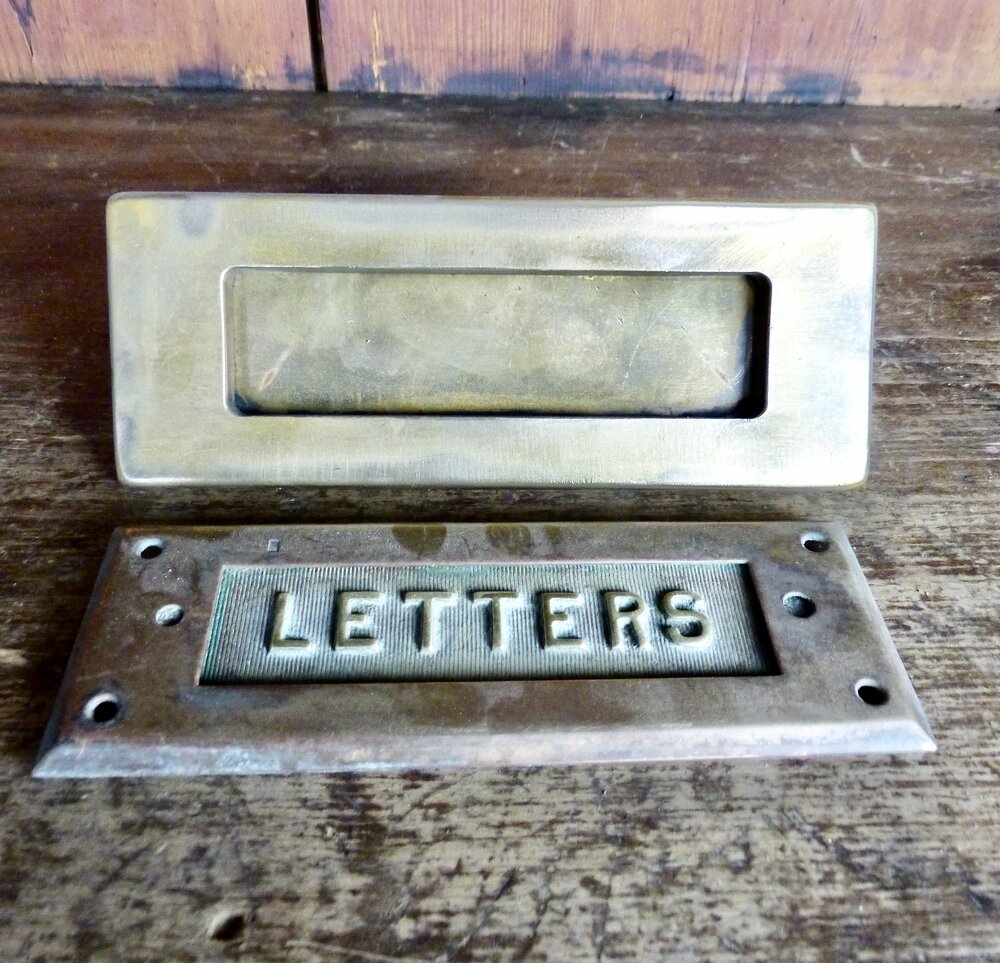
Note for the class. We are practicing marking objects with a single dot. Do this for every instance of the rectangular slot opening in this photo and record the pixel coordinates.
(324, 341)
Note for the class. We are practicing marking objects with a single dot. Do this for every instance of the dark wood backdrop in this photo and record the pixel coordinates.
(866, 858)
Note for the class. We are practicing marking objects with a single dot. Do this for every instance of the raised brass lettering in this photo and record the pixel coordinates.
(413, 621)
(557, 623)
(499, 602)
(352, 622)
(687, 622)
(281, 637)
(430, 604)
(626, 611)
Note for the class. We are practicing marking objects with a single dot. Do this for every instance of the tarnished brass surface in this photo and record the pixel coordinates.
(401, 340)
(563, 620)
(431, 342)
(209, 650)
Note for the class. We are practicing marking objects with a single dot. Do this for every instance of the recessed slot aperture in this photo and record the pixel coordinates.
(329, 341)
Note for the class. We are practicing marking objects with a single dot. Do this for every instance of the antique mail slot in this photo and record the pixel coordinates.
(308, 648)
(391, 340)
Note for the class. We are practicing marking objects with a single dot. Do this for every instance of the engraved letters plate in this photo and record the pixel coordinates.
(498, 621)
(310, 648)
(272, 339)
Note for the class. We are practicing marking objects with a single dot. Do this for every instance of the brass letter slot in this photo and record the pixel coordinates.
(390, 340)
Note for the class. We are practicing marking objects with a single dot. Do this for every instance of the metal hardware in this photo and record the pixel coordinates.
(389, 340)
(309, 648)
(377, 623)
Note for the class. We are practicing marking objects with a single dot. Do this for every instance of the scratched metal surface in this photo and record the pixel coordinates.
(882, 859)
(798, 414)
(422, 342)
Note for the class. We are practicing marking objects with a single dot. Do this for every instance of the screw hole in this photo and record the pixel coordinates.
(149, 548)
(102, 709)
(815, 541)
(799, 605)
(226, 926)
(871, 693)
(169, 615)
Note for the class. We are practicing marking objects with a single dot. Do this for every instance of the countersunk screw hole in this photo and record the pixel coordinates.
(799, 605)
(149, 548)
(226, 926)
(815, 541)
(871, 693)
(102, 709)
(169, 615)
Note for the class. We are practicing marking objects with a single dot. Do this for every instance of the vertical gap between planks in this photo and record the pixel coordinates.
(314, 15)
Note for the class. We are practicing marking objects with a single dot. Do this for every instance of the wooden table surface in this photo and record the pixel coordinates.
(863, 858)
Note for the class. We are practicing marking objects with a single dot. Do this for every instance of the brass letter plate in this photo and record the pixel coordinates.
(390, 340)
(314, 648)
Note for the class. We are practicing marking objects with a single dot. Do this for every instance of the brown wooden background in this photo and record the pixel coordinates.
(904, 52)
(856, 860)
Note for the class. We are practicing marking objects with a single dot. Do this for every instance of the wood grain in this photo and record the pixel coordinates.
(244, 44)
(857, 859)
(917, 52)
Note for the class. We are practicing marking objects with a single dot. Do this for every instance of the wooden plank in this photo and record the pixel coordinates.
(245, 44)
(15, 41)
(854, 859)
(948, 55)
(801, 52)
(915, 52)
(520, 47)
(810, 51)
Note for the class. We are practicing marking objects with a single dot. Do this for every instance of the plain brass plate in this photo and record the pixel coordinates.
(273, 339)
(313, 648)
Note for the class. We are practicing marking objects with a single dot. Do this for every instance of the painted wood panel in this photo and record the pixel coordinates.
(246, 44)
(920, 52)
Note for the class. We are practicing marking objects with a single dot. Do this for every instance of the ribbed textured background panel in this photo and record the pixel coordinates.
(241, 624)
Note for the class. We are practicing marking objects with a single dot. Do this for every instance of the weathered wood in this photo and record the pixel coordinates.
(809, 51)
(244, 44)
(861, 859)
